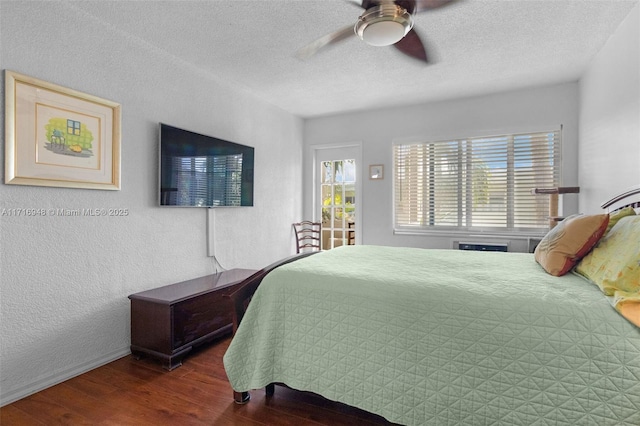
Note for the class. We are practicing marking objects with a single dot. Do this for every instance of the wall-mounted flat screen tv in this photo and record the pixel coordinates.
(203, 171)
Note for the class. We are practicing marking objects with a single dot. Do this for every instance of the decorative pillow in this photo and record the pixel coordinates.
(617, 215)
(569, 241)
(614, 265)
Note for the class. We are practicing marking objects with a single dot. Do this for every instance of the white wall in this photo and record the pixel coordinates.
(536, 109)
(65, 280)
(610, 117)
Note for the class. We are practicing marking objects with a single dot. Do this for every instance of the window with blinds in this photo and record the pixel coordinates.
(208, 180)
(476, 184)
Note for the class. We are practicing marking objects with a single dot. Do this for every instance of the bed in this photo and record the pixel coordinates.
(438, 337)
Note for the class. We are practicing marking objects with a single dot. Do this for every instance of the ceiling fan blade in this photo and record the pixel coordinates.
(313, 48)
(422, 5)
(358, 3)
(411, 45)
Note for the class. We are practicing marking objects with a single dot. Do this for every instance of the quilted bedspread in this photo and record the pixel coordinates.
(441, 337)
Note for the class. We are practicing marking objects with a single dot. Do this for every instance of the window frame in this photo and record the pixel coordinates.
(447, 230)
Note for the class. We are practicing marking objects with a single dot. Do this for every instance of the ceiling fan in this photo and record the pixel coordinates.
(383, 23)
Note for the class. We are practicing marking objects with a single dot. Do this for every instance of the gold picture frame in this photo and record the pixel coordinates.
(59, 137)
(376, 171)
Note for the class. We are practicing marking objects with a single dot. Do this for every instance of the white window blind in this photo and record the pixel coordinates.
(481, 183)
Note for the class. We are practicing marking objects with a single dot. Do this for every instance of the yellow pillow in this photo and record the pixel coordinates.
(614, 265)
(617, 215)
(569, 241)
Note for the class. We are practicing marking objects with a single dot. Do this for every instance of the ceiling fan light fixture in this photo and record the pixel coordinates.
(384, 25)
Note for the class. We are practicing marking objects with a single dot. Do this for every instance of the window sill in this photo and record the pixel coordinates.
(512, 235)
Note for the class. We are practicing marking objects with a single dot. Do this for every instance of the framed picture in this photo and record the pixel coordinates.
(376, 171)
(59, 137)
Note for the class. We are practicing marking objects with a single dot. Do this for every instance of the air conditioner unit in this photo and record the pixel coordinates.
(480, 246)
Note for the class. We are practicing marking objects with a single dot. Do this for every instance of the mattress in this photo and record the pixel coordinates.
(441, 337)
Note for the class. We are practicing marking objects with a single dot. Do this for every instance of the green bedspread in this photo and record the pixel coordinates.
(441, 337)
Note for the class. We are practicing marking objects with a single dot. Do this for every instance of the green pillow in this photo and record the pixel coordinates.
(614, 265)
(617, 215)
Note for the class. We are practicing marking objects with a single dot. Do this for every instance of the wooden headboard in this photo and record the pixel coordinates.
(628, 198)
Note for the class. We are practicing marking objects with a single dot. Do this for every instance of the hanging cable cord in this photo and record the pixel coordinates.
(211, 241)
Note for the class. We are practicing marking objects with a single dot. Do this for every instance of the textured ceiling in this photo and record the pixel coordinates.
(482, 46)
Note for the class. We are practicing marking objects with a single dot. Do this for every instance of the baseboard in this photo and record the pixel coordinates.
(12, 395)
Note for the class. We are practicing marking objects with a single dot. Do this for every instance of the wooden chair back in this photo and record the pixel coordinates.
(307, 236)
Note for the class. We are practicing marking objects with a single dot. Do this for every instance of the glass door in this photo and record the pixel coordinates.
(338, 202)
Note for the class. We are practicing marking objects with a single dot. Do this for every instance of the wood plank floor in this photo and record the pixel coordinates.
(140, 392)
